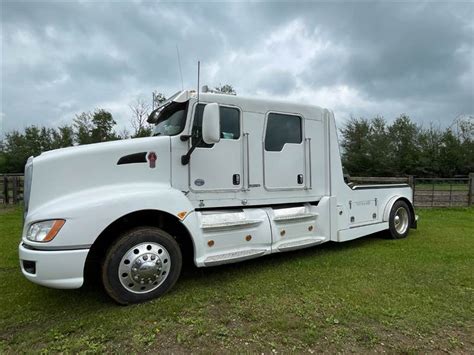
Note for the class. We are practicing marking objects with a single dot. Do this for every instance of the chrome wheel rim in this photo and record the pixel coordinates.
(401, 220)
(144, 267)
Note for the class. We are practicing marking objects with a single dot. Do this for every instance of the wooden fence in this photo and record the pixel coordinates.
(11, 188)
(427, 192)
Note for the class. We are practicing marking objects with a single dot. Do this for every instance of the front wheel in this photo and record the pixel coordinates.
(142, 264)
(399, 220)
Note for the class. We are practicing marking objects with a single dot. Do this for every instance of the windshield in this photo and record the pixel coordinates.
(171, 120)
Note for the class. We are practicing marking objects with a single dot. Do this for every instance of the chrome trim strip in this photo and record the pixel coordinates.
(295, 217)
(56, 248)
(365, 224)
(231, 224)
(379, 186)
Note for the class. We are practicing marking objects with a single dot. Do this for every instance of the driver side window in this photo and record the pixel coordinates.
(230, 124)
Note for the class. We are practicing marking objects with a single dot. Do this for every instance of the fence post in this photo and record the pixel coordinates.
(471, 188)
(5, 190)
(450, 194)
(432, 192)
(411, 182)
(15, 189)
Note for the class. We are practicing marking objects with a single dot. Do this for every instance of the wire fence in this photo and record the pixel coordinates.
(435, 192)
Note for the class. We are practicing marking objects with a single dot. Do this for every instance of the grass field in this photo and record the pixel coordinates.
(372, 294)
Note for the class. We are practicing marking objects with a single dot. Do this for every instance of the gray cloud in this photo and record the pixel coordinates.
(362, 59)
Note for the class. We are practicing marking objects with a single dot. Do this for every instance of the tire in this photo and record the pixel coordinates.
(399, 220)
(142, 264)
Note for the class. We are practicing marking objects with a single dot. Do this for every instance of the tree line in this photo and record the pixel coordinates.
(374, 147)
(86, 128)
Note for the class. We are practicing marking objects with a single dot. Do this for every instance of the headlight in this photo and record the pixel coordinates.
(44, 231)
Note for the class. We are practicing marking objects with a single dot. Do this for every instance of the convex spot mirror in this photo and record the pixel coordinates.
(211, 124)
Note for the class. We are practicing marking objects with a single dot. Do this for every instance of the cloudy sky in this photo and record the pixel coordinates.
(60, 58)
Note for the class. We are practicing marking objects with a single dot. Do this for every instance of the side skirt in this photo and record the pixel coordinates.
(357, 232)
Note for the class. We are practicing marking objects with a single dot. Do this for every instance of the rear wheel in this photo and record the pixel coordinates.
(399, 220)
(142, 264)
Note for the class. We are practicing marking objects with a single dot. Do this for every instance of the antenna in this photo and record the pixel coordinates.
(180, 71)
(199, 69)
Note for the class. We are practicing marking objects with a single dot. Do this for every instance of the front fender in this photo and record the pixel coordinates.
(89, 212)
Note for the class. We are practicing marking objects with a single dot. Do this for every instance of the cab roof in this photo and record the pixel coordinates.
(252, 104)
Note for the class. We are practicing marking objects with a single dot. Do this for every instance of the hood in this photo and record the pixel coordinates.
(71, 170)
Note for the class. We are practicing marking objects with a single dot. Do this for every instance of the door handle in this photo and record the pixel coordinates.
(236, 179)
(300, 179)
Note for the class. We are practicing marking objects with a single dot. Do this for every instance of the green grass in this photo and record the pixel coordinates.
(372, 294)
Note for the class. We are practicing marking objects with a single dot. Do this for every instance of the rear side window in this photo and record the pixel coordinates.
(230, 124)
(282, 129)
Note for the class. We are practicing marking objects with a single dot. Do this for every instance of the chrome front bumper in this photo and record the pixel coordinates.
(53, 268)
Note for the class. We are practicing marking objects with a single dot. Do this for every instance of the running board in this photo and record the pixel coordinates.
(233, 257)
(302, 243)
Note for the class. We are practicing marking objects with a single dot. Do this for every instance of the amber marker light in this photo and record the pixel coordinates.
(181, 215)
(58, 224)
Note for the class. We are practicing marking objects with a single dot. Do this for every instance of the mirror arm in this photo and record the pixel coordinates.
(185, 158)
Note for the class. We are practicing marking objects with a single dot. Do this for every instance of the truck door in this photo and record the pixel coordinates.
(217, 167)
(284, 152)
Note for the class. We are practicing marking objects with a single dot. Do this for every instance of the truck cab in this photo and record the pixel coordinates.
(223, 179)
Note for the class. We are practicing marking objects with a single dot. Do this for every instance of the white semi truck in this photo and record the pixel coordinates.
(223, 179)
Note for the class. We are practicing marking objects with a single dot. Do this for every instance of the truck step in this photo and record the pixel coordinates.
(302, 243)
(219, 221)
(233, 257)
(295, 217)
(293, 214)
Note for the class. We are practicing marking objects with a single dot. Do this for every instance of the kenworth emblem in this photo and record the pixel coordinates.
(151, 159)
